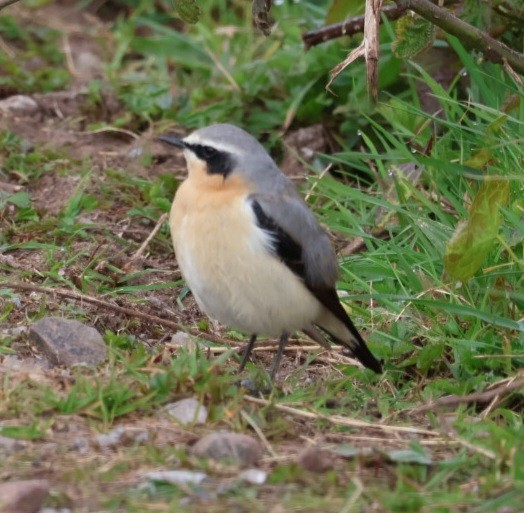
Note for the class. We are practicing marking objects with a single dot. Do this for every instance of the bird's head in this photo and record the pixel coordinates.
(222, 149)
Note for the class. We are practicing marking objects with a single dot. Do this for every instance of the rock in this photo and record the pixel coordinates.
(314, 459)
(253, 476)
(10, 445)
(18, 104)
(235, 448)
(187, 411)
(122, 435)
(182, 339)
(87, 63)
(68, 342)
(135, 152)
(176, 476)
(80, 445)
(302, 145)
(28, 365)
(23, 496)
(18, 330)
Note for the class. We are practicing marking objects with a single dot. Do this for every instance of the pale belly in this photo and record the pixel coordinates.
(225, 261)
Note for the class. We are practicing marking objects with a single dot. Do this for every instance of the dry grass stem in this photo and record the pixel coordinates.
(342, 421)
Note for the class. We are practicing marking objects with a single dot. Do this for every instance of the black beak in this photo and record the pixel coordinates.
(172, 139)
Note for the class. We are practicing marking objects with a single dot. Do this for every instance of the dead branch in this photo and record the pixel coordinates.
(349, 27)
(353, 26)
(471, 37)
(6, 3)
(477, 397)
(369, 49)
(129, 312)
(339, 420)
(140, 251)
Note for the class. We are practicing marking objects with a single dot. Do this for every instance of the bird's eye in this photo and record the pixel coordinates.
(208, 152)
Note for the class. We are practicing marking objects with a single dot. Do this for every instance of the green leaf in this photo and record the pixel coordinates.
(473, 239)
(414, 34)
(342, 9)
(347, 450)
(430, 355)
(18, 199)
(22, 432)
(415, 454)
(188, 10)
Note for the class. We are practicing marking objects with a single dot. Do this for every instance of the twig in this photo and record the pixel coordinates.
(259, 432)
(497, 356)
(358, 244)
(340, 420)
(10, 187)
(474, 448)
(6, 3)
(348, 27)
(69, 56)
(130, 312)
(352, 26)
(326, 170)
(272, 347)
(369, 49)
(344, 437)
(223, 70)
(140, 251)
(477, 397)
(114, 129)
(514, 76)
(471, 37)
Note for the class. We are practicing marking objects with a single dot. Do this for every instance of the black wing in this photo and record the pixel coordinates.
(290, 253)
(286, 248)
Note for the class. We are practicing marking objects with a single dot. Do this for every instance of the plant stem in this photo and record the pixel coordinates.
(348, 27)
(6, 3)
(471, 37)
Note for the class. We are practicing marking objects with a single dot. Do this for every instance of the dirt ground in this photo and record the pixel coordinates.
(66, 454)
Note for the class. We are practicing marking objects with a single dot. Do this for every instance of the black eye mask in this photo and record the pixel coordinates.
(218, 162)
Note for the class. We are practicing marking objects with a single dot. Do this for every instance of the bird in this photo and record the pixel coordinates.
(249, 248)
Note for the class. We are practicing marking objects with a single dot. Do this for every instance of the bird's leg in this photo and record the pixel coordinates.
(280, 351)
(247, 352)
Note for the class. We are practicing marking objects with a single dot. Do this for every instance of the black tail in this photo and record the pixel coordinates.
(329, 298)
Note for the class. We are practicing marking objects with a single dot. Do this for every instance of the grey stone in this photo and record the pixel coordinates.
(183, 340)
(176, 476)
(80, 444)
(253, 476)
(87, 63)
(234, 448)
(68, 342)
(315, 459)
(23, 496)
(10, 445)
(122, 435)
(18, 104)
(187, 411)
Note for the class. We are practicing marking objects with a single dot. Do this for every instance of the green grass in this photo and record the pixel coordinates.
(403, 181)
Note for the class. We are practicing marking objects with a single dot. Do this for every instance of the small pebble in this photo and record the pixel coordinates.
(176, 476)
(315, 459)
(187, 411)
(234, 448)
(253, 476)
(23, 496)
(122, 435)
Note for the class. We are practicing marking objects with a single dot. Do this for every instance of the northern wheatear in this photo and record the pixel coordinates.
(252, 253)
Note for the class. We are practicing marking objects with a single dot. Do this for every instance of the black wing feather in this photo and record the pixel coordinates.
(290, 253)
(287, 249)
